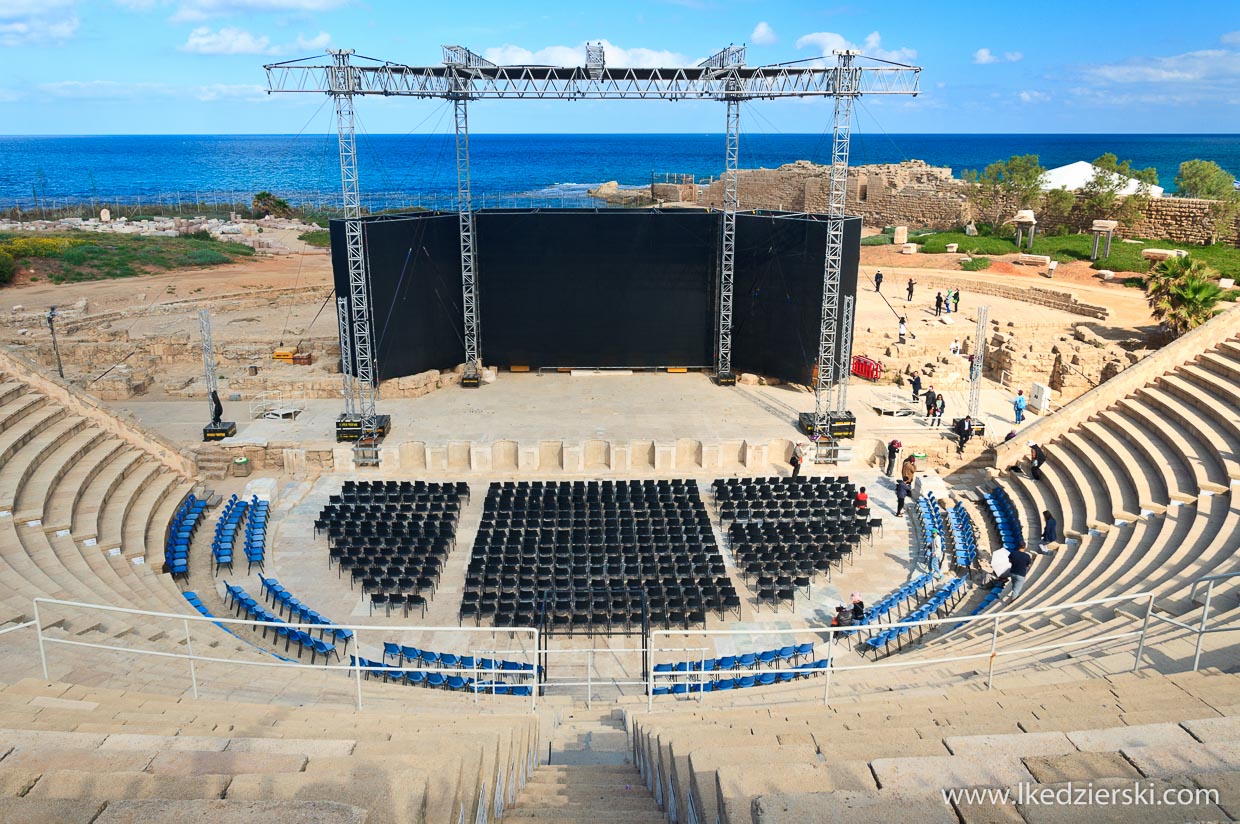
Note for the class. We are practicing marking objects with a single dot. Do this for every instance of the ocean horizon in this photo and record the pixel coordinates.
(411, 169)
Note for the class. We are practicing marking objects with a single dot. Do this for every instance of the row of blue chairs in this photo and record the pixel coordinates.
(437, 680)
(226, 533)
(256, 532)
(412, 656)
(1006, 518)
(894, 601)
(944, 598)
(201, 609)
(242, 602)
(773, 658)
(963, 535)
(299, 613)
(740, 682)
(995, 592)
(181, 533)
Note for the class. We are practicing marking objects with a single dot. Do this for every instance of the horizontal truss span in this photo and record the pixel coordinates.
(577, 83)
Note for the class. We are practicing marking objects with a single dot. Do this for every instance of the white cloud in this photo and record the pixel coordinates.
(229, 40)
(196, 11)
(1199, 67)
(37, 22)
(763, 34)
(826, 42)
(9, 96)
(985, 56)
(510, 55)
(1034, 97)
(1231, 38)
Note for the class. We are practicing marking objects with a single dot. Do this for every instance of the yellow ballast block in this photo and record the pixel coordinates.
(519, 368)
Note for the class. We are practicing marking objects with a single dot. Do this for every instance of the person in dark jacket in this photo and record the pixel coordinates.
(931, 397)
(858, 608)
(940, 406)
(1021, 561)
(916, 384)
(956, 301)
(878, 281)
(911, 284)
(1037, 457)
(964, 431)
(893, 452)
(1050, 532)
(938, 304)
(902, 490)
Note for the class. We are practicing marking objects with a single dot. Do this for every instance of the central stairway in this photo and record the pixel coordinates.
(591, 776)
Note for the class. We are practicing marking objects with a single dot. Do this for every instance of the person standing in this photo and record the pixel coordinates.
(1021, 561)
(964, 431)
(930, 398)
(934, 553)
(1037, 457)
(938, 304)
(908, 471)
(947, 302)
(893, 452)
(878, 280)
(911, 284)
(916, 383)
(1019, 405)
(940, 406)
(797, 457)
(903, 329)
(902, 491)
(1050, 532)
(956, 300)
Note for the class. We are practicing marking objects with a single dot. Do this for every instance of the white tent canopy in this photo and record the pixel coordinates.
(1075, 175)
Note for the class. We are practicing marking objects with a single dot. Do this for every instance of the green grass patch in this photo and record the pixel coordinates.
(321, 238)
(876, 240)
(1125, 257)
(976, 264)
(93, 256)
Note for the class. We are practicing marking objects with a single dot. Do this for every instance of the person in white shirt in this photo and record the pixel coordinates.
(955, 347)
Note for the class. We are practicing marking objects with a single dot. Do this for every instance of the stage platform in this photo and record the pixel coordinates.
(649, 423)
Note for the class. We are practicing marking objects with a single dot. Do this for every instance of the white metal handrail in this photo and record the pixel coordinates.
(911, 662)
(1202, 628)
(16, 627)
(357, 668)
(548, 683)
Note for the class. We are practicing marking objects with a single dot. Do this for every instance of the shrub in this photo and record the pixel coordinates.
(976, 264)
(872, 240)
(8, 267)
(201, 234)
(28, 247)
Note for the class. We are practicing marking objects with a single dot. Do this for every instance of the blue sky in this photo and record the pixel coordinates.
(195, 66)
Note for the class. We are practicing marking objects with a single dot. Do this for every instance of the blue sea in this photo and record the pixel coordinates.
(411, 169)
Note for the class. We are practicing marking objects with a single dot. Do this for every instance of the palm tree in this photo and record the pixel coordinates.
(1192, 300)
(1164, 277)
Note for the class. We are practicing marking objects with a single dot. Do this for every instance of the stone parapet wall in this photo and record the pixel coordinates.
(1180, 219)
(1039, 296)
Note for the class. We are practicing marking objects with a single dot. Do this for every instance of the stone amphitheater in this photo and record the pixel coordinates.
(132, 695)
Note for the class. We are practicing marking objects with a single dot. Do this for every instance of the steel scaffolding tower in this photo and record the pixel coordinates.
(464, 59)
(343, 83)
(844, 366)
(465, 76)
(348, 386)
(979, 358)
(208, 359)
(848, 83)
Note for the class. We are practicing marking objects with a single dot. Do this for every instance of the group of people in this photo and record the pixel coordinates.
(878, 286)
(948, 303)
(847, 616)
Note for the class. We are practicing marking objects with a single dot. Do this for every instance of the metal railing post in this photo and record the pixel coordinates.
(1145, 626)
(589, 676)
(650, 674)
(189, 648)
(537, 677)
(38, 630)
(1201, 630)
(994, 642)
(357, 665)
(826, 689)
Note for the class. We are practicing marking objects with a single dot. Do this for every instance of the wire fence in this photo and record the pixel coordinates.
(306, 203)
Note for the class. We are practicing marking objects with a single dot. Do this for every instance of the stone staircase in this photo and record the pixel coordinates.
(590, 778)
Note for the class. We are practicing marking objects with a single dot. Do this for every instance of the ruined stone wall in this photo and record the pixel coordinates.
(1180, 219)
(912, 193)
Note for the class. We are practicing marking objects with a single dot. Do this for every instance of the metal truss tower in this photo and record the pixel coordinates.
(343, 83)
(844, 363)
(725, 62)
(208, 359)
(348, 385)
(847, 87)
(463, 59)
(979, 358)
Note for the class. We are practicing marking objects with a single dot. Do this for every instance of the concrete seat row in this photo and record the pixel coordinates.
(894, 752)
(111, 749)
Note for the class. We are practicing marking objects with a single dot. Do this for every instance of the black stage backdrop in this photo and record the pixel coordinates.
(626, 287)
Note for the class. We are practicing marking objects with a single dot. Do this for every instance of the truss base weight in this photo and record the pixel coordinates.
(219, 431)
